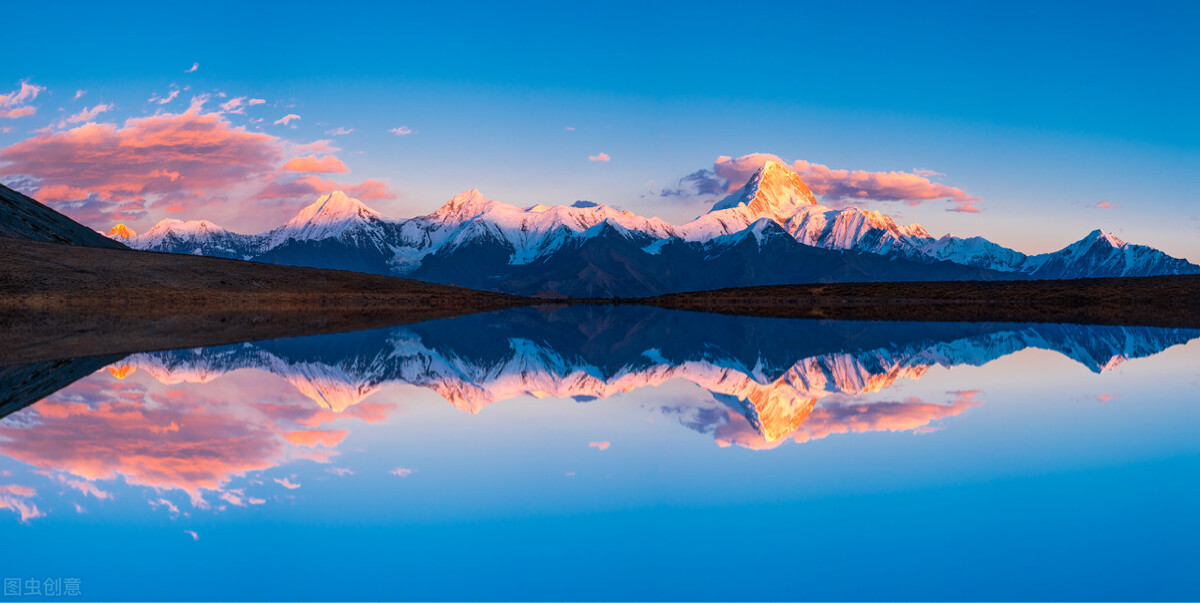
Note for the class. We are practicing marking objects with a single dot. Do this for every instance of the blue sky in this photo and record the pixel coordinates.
(1041, 111)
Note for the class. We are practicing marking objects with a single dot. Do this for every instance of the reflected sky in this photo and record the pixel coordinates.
(617, 452)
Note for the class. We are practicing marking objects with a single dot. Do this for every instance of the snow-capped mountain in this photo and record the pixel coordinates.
(192, 237)
(772, 372)
(590, 249)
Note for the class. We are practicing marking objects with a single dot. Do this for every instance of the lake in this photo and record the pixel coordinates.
(614, 453)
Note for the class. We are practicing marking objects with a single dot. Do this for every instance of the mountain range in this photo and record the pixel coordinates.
(770, 231)
(772, 372)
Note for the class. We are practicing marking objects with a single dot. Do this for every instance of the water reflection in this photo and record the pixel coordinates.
(762, 382)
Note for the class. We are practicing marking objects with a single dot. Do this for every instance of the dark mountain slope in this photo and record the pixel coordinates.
(21, 217)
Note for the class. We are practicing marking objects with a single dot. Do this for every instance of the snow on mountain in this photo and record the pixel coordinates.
(329, 217)
(484, 241)
(1101, 254)
(122, 231)
(777, 193)
(773, 375)
(194, 237)
(772, 192)
(526, 233)
(975, 251)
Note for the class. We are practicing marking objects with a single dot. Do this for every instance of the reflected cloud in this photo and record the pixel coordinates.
(197, 421)
(16, 498)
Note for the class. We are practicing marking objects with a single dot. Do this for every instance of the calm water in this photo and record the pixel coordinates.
(618, 453)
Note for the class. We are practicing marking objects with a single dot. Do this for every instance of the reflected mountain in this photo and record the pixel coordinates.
(772, 371)
(193, 420)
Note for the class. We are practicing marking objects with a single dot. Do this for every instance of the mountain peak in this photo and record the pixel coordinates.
(332, 208)
(1099, 235)
(464, 205)
(774, 191)
(182, 227)
(123, 231)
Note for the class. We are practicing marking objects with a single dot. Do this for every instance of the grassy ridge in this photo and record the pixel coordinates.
(1169, 301)
(61, 300)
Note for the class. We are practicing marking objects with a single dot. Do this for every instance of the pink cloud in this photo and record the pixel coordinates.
(18, 112)
(256, 101)
(15, 104)
(401, 471)
(339, 131)
(16, 499)
(286, 119)
(402, 131)
(286, 483)
(85, 115)
(1106, 205)
(601, 446)
(311, 164)
(234, 105)
(162, 502)
(310, 185)
(166, 99)
(105, 172)
(317, 146)
(193, 534)
(848, 185)
(315, 437)
(605, 157)
(193, 68)
(79, 94)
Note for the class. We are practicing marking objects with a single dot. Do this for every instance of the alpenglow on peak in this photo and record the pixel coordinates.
(773, 191)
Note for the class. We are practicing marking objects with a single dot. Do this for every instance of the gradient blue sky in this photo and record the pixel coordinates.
(1041, 110)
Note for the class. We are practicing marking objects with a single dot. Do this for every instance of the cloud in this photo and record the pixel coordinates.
(234, 105)
(569, 129)
(162, 502)
(339, 471)
(256, 101)
(833, 185)
(164, 100)
(315, 437)
(85, 115)
(926, 173)
(601, 446)
(16, 104)
(339, 131)
(111, 436)
(402, 131)
(16, 499)
(286, 483)
(310, 185)
(700, 183)
(193, 534)
(102, 172)
(1105, 205)
(287, 119)
(193, 68)
(599, 157)
(79, 94)
(402, 471)
(312, 165)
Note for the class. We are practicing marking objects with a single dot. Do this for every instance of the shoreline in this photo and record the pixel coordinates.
(62, 301)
